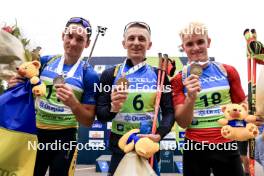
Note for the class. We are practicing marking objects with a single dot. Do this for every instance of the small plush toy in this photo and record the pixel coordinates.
(237, 124)
(30, 70)
(144, 147)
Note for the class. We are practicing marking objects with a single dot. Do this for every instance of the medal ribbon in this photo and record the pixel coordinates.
(199, 63)
(71, 72)
(133, 69)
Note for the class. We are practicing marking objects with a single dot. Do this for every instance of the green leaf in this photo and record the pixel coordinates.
(28, 56)
(16, 32)
(25, 42)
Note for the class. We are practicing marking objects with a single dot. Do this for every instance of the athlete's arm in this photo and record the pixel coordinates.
(184, 105)
(103, 99)
(84, 113)
(236, 91)
(167, 110)
(14, 80)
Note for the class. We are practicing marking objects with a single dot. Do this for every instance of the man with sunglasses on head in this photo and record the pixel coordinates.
(199, 91)
(70, 99)
(134, 106)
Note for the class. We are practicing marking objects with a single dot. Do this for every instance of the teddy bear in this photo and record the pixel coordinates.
(30, 70)
(237, 124)
(144, 147)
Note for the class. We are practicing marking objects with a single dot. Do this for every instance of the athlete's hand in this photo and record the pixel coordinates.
(118, 97)
(192, 85)
(65, 94)
(14, 80)
(259, 121)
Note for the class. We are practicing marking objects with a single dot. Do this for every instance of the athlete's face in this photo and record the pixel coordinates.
(137, 42)
(195, 46)
(75, 40)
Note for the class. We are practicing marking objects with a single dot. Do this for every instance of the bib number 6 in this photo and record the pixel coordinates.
(138, 103)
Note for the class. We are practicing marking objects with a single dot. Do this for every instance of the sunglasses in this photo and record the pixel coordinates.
(79, 20)
(139, 23)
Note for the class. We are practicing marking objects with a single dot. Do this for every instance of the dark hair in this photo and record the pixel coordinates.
(82, 21)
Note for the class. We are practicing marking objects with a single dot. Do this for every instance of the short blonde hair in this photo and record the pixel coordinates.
(194, 28)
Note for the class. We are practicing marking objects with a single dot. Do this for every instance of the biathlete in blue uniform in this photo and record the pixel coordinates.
(197, 100)
(133, 108)
(69, 100)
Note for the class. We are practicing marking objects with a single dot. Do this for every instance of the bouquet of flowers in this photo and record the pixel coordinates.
(14, 50)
